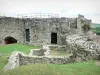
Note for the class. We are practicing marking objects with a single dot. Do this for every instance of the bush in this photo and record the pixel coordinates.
(86, 27)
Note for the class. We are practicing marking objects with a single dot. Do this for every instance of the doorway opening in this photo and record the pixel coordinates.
(53, 38)
(10, 40)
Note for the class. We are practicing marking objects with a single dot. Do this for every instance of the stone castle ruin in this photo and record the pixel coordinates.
(48, 32)
(40, 31)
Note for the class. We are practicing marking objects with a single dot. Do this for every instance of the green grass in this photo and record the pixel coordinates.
(3, 62)
(8, 49)
(82, 68)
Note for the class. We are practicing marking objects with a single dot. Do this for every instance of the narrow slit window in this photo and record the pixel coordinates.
(27, 35)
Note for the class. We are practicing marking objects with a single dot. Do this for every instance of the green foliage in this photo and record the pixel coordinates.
(96, 30)
(82, 68)
(82, 21)
(86, 27)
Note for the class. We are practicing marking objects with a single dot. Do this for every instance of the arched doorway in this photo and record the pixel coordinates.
(10, 40)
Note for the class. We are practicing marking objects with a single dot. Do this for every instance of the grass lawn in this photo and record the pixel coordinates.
(6, 51)
(3, 62)
(82, 68)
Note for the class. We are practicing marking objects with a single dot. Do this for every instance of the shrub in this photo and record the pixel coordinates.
(86, 27)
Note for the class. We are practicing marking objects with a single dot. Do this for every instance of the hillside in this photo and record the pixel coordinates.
(96, 28)
(94, 25)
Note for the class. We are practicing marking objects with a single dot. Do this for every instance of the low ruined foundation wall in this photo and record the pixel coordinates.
(37, 52)
(23, 59)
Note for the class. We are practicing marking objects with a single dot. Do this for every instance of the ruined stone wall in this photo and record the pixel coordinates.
(40, 29)
(24, 60)
(82, 21)
(73, 22)
(73, 25)
(19, 58)
(83, 49)
(11, 27)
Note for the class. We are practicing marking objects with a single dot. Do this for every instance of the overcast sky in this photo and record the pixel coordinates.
(67, 8)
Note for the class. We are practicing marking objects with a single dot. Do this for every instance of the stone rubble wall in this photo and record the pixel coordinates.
(47, 50)
(24, 60)
(36, 52)
(13, 61)
(19, 58)
(13, 27)
(81, 48)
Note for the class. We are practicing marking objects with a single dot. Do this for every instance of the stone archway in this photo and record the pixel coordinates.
(10, 40)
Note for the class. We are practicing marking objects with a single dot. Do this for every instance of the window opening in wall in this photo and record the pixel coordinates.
(27, 35)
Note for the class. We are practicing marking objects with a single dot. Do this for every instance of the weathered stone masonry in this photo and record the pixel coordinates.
(82, 48)
(19, 58)
(40, 30)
